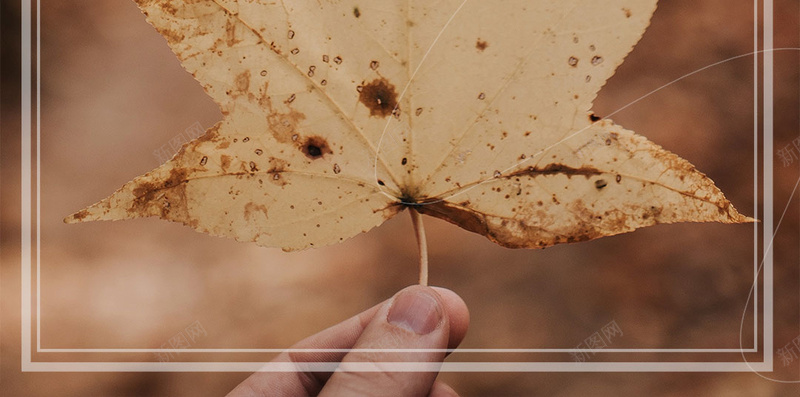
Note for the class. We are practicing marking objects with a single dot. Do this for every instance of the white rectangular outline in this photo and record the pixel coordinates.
(26, 230)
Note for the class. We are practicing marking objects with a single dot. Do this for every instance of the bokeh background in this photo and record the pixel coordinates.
(113, 94)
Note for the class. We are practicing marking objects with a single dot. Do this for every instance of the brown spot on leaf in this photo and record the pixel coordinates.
(315, 147)
(600, 183)
(379, 97)
(283, 125)
(251, 208)
(652, 212)
(230, 30)
(168, 8)
(457, 215)
(173, 36)
(242, 81)
(151, 198)
(80, 215)
(556, 169)
(277, 165)
(313, 151)
(508, 232)
(572, 61)
(579, 238)
(276, 168)
(210, 134)
(225, 161)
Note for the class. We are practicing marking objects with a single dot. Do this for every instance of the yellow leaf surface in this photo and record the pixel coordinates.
(340, 114)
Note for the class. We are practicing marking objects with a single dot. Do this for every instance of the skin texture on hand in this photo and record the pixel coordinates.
(417, 317)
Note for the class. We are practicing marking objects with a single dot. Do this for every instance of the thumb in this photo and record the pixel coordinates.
(414, 319)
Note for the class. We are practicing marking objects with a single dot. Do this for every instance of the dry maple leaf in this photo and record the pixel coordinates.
(340, 114)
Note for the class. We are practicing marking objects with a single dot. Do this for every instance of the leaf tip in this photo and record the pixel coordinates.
(744, 219)
(734, 216)
(77, 217)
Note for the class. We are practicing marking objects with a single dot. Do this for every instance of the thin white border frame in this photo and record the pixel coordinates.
(27, 222)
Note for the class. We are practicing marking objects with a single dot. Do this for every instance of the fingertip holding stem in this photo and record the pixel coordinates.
(416, 311)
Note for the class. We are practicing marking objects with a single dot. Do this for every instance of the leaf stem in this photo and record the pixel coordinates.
(419, 231)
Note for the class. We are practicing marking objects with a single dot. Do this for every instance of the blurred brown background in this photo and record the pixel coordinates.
(113, 93)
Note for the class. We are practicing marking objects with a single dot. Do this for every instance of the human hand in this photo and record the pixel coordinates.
(417, 317)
